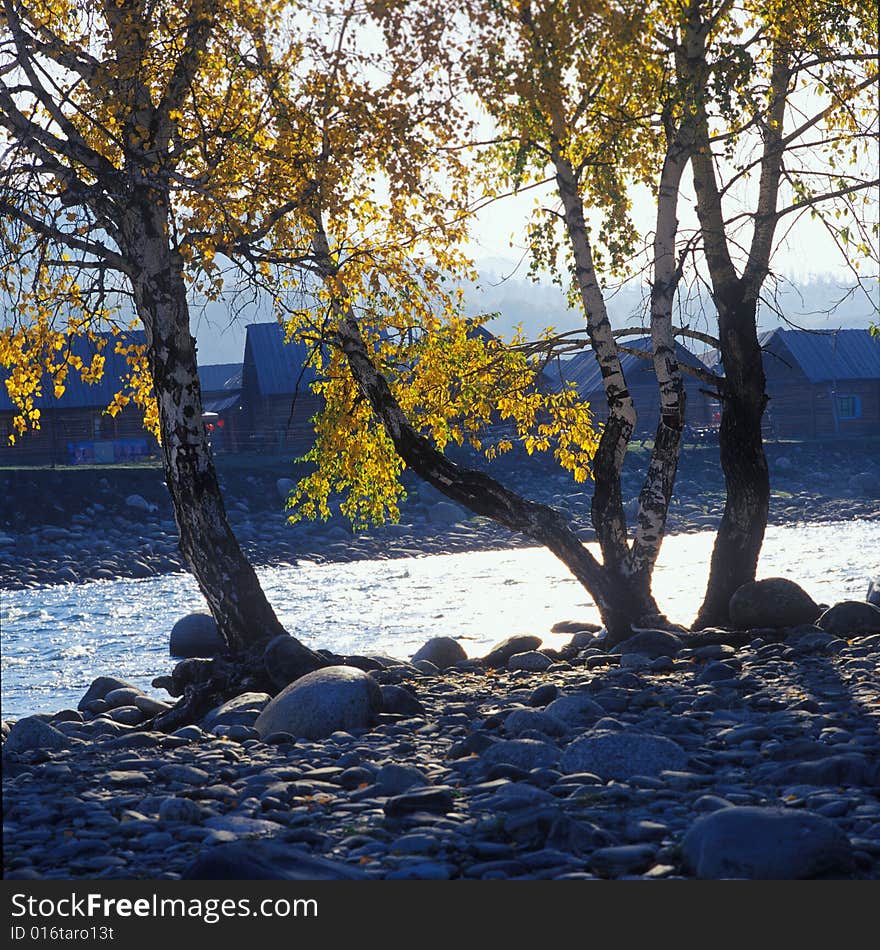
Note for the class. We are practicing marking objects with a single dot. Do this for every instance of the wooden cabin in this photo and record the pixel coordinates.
(276, 397)
(74, 428)
(821, 383)
(583, 370)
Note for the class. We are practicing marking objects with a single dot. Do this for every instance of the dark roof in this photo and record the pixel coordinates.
(583, 369)
(477, 330)
(78, 394)
(219, 376)
(821, 355)
(826, 355)
(278, 365)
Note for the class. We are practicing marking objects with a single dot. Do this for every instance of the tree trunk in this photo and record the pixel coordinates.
(225, 577)
(659, 480)
(609, 520)
(741, 533)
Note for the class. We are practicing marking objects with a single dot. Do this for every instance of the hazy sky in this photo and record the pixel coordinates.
(815, 281)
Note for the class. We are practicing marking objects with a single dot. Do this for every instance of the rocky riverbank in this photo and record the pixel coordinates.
(751, 754)
(71, 526)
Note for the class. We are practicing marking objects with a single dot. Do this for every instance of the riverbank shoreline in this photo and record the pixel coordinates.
(72, 526)
(595, 766)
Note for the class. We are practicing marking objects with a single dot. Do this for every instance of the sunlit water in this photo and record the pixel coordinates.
(55, 640)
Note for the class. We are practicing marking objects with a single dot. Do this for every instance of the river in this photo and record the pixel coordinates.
(55, 640)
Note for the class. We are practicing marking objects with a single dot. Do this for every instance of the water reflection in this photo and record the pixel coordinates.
(384, 606)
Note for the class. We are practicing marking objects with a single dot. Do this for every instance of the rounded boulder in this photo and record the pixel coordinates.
(772, 602)
(443, 652)
(196, 635)
(765, 844)
(336, 698)
(503, 651)
(851, 618)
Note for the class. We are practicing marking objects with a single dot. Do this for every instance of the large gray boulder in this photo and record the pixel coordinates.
(32, 733)
(851, 618)
(321, 703)
(772, 602)
(195, 634)
(620, 755)
(443, 652)
(503, 651)
(765, 844)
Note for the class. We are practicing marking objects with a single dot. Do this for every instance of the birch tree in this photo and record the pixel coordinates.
(586, 93)
(560, 104)
(785, 125)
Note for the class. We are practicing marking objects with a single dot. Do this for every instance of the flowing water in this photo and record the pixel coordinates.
(55, 640)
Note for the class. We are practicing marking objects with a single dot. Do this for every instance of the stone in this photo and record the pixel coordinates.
(264, 861)
(525, 754)
(286, 660)
(847, 769)
(323, 702)
(850, 618)
(436, 799)
(512, 796)
(150, 706)
(650, 644)
(717, 672)
(575, 626)
(32, 733)
(772, 602)
(542, 695)
(531, 662)
(123, 696)
(241, 710)
(397, 699)
(284, 486)
(195, 635)
(426, 667)
(183, 774)
(575, 710)
(503, 651)
(182, 810)
(100, 687)
(396, 779)
(446, 513)
(242, 825)
(620, 755)
(140, 503)
(765, 844)
(127, 715)
(443, 652)
(522, 720)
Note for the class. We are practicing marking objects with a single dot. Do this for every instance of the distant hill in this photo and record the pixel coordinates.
(821, 304)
